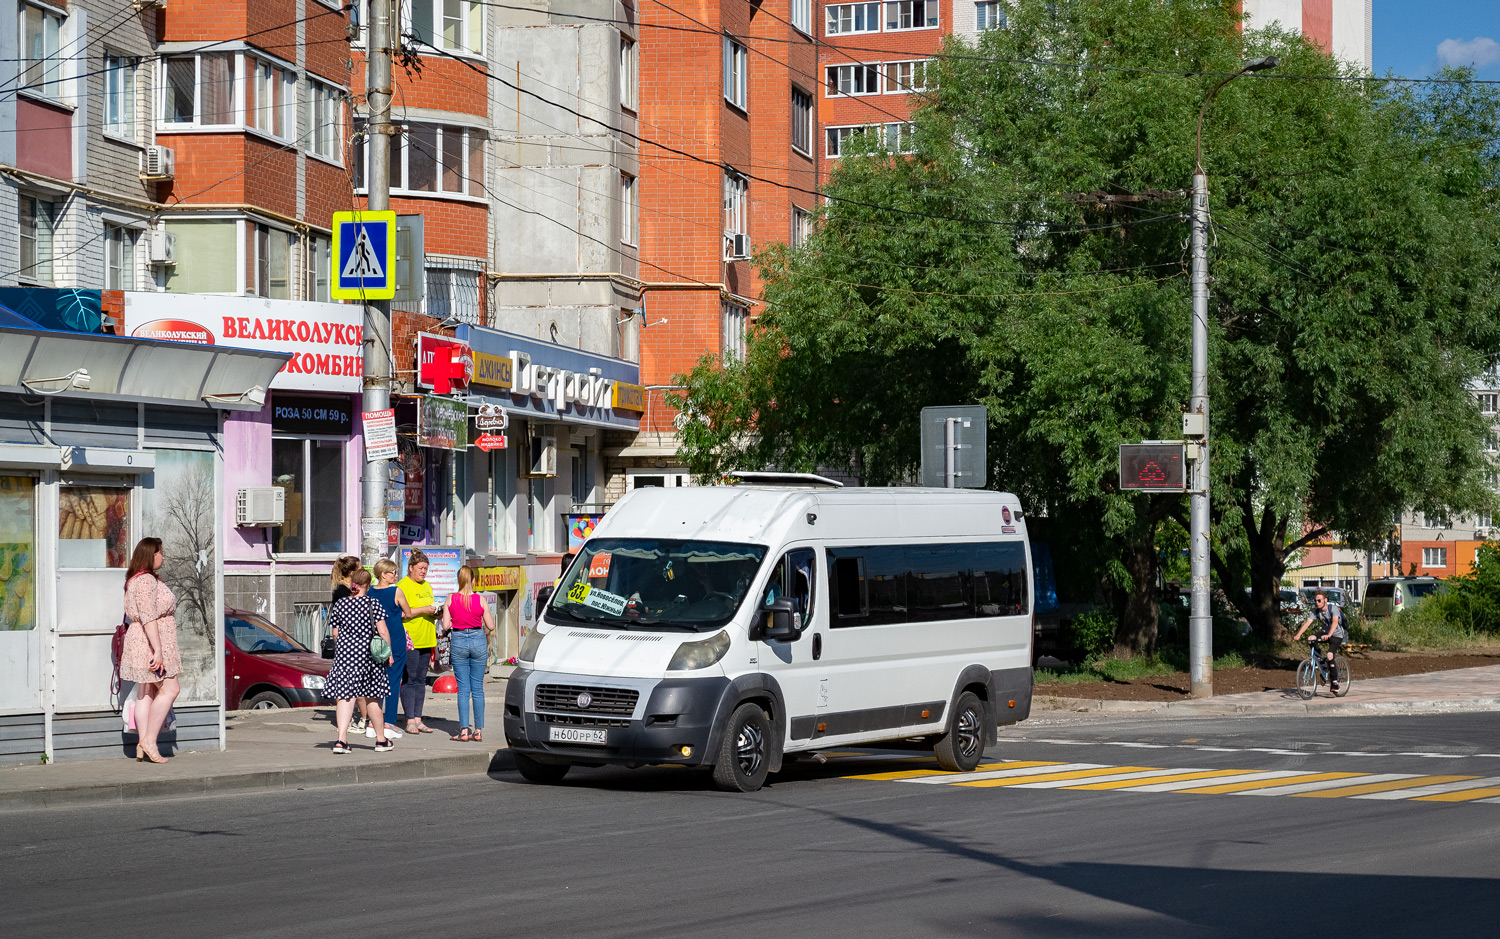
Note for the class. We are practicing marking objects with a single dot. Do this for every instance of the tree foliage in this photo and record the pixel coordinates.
(1354, 292)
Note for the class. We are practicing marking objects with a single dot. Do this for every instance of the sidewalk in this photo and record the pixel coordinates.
(268, 750)
(290, 749)
(1450, 692)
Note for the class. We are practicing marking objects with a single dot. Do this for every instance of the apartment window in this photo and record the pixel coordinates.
(41, 42)
(839, 137)
(802, 15)
(734, 72)
(1491, 441)
(630, 74)
(898, 137)
(733, 318)
(119, 257)
(453, 293)
(1484, 520)
(1489, 402)
(801, 226)
(269, 93)
(905, 77)
(37, 224)
(325, 121)
(844, 18)
(894, 137)
(628, 209)
(273, 263)
(198, 89)
(429, 158)
(312, 473)
(736, 193)
(803, 120)
(119, 96)
(911, 14)
(1434, 557)
(853, 80)
(318, 269)
(454, 25)
(989, 15)
(1436, 520)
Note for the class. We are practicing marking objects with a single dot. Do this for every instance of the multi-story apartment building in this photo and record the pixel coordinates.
(728, 157)
(1344, 28)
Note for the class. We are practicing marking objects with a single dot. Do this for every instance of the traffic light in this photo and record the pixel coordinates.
(1155, 466)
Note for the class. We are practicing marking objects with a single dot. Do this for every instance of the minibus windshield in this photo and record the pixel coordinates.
(623, 583)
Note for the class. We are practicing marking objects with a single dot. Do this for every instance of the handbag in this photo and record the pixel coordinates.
(329, 646)
(380, 650)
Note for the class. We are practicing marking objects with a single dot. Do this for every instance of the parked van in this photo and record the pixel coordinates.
(1390, 595)
(731, 626)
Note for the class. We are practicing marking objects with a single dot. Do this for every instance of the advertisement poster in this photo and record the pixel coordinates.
(178, 507)
(442, 568)
(17, 553)
(443, 424)
(580, 527)
(380, 435)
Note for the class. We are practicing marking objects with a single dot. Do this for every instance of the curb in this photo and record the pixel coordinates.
(1315, 708)
(269, 780)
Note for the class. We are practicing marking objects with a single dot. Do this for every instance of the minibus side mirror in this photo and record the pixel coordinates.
(776, 623)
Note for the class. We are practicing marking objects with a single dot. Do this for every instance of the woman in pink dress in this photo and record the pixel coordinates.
(150, 658)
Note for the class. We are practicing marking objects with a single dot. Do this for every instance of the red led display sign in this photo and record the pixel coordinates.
(1156, 466)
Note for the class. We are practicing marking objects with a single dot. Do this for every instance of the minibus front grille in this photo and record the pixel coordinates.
(599, 700)
(579, 720)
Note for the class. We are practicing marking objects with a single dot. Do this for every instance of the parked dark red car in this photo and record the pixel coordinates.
(264, 667)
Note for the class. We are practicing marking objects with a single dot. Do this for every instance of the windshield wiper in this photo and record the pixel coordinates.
(582, 619)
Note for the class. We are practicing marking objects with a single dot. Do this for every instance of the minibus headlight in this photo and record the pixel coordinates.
(700, 654)
(532, 643)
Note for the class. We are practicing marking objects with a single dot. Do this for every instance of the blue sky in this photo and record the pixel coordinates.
(1415, 37)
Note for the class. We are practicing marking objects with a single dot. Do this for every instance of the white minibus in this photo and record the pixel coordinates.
(731, 626)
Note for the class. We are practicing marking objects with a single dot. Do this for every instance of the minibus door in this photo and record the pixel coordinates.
(797, 665)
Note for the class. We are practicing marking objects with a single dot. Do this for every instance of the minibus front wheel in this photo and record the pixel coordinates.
(962, 747)
(745, 750)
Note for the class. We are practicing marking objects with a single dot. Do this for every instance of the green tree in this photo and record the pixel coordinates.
(1354, 257)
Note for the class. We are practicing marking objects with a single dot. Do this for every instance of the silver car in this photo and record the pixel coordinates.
(1390, 595)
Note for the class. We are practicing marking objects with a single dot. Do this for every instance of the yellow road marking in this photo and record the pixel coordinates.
(1463, 795)
(915, 773)
(1175, 777)
(1044, 777)
(1379, 787)
(1270, 783)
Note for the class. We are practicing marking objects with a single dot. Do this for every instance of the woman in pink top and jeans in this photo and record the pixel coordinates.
(470, 624)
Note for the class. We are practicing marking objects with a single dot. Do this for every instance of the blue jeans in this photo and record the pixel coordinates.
(393, 677)
(470, 649)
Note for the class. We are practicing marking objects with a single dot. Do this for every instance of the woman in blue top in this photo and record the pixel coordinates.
(385, 572)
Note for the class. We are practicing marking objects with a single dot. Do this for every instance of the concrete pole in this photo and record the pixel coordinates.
(1200, 616)
(377, 351)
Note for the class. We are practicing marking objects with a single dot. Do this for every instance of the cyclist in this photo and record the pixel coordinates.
(1331, 618)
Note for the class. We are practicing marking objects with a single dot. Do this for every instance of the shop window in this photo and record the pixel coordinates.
(17, 553)
(583, 477)
(312, 473)
(93, 527)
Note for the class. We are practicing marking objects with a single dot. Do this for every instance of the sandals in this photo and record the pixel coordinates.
(384, 746)
(340, 746)
(478, 735)
(463, 736)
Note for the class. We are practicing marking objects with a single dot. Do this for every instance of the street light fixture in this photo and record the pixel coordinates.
(1200, 618)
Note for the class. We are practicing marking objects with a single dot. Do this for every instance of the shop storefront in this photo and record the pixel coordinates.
(292, 466)
(103, 441)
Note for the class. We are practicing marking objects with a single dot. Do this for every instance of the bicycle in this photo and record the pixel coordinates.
(1315, 670)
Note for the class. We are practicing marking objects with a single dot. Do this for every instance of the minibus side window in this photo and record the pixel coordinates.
(849, 597)
(794, 579)
(1000, 579)
(939, 585)
(869, 585)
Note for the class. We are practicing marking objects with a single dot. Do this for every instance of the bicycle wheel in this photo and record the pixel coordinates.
(1345, 679)
(1307, 680)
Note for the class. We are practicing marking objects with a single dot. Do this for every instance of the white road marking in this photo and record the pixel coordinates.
(1277, 751)
(1489, 782)
(1004, 773)
(1327, 784)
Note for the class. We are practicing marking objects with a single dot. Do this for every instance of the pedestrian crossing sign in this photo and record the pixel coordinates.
(364, 255)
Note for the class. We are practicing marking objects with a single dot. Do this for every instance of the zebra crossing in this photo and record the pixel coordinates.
(1095, 777)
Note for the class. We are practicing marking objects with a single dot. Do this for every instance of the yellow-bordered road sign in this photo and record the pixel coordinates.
(364, 255)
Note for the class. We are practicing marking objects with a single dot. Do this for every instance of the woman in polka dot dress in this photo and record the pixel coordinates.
(355, 677)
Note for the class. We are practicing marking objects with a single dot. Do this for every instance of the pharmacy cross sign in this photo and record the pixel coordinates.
(364, 255)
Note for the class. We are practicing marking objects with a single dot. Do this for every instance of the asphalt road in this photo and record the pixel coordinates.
(655, 853)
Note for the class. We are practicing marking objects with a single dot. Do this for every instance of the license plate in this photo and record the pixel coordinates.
(575, 735)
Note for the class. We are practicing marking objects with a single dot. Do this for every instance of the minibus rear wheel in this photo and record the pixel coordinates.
(744, 754)
(962, 747)
(538, 772)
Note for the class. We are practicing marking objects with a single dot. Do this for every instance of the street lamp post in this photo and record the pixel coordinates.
(1200, 617)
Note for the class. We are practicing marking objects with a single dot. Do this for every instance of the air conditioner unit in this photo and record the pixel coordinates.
(163, 246)
(263, 505)
(543, 456)
(158, 162)
(736, 246)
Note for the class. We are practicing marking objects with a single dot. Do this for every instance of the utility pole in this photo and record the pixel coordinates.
(1200, 612)
(377, 351)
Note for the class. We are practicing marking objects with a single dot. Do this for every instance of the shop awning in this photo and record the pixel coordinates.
(144, 370)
